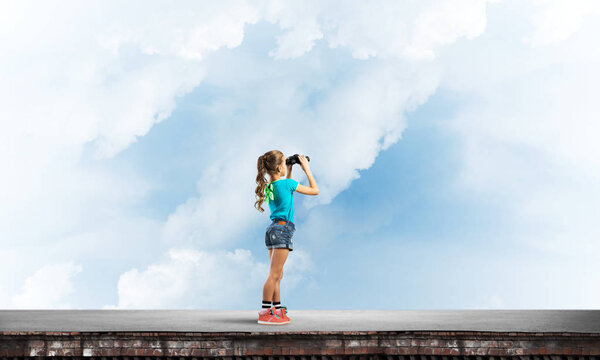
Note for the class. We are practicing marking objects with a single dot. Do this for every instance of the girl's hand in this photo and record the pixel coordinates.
(303, 162)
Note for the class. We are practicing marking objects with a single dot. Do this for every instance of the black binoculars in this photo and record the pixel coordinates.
(294, 160)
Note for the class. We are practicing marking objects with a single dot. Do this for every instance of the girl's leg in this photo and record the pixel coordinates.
(278, 257)
(276, 292)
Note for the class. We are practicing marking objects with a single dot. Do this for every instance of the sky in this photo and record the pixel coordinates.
(454, 144)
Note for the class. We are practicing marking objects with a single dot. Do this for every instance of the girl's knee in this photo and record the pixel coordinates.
(275, 276)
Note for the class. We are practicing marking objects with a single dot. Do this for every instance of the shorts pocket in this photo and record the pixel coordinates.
(280, 234)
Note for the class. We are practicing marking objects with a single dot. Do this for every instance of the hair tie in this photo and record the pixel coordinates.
(268, 193)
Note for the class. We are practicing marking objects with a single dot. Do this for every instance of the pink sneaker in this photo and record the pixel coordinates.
(268, 317)
(282, 313)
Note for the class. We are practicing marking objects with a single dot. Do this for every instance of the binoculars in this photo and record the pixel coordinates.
(294, 160)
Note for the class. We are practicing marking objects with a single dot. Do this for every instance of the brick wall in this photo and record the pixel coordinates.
(410, 345)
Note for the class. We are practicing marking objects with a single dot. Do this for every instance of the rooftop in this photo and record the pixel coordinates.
(581, 321)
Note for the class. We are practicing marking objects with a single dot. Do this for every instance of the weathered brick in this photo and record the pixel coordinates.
(352, 343)
(481, 351)
(488, 343)
(403, 351)
(374, 350)
(434, 342)
(55, 345)
(198, 352)
(66, 352)
(451, 343)
(209, 344)
(192, 344)
(36, 343)
(333, 343)
(471, 343)
(387, 342)
(106, 343)
(224, 352)
(389, 350)
(118, 343)
(149, 344)
(174, 344)
(140, 343)
(224, 343)
(403, 342)
(37, 352)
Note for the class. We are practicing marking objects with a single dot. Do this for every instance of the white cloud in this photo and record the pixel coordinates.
(104, 75)
(188, 278)
(84, 76)
(355, 118)
(95, 75)
(529, 134)
(556, 20)
(113, 78)
(383, 29)
(371, 102)
(49, 287)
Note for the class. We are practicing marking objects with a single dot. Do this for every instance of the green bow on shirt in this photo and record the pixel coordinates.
(268, 193)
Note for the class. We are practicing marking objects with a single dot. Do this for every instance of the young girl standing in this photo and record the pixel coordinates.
(279, 195)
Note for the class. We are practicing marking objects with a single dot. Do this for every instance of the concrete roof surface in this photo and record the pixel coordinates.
(587, 321)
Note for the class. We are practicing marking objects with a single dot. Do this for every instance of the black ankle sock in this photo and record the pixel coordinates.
(277, 305)
(266, 304)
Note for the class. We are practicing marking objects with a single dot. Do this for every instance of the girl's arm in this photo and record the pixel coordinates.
(307, 190)
(289, 171)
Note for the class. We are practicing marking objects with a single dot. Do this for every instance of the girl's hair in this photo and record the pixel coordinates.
(267, 163)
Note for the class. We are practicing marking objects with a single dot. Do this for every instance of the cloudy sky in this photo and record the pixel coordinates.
(455, 145)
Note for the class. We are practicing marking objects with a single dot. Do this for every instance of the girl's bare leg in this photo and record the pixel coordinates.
(276, 295)
(278, 257)
(276, 292)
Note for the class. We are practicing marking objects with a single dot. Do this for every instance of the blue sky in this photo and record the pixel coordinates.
(453, 148)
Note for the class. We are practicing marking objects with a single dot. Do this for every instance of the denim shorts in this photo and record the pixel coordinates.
(279, 234)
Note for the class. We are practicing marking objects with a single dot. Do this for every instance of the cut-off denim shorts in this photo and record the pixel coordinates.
(279, 234)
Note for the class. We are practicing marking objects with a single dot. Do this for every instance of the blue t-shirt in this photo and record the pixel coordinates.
(282, 205)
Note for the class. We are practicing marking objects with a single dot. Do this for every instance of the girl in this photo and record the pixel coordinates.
(279, 194)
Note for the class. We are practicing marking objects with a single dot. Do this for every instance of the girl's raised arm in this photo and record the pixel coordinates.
(307, 190)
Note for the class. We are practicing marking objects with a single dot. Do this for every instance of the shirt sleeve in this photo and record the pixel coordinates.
(293, 184)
